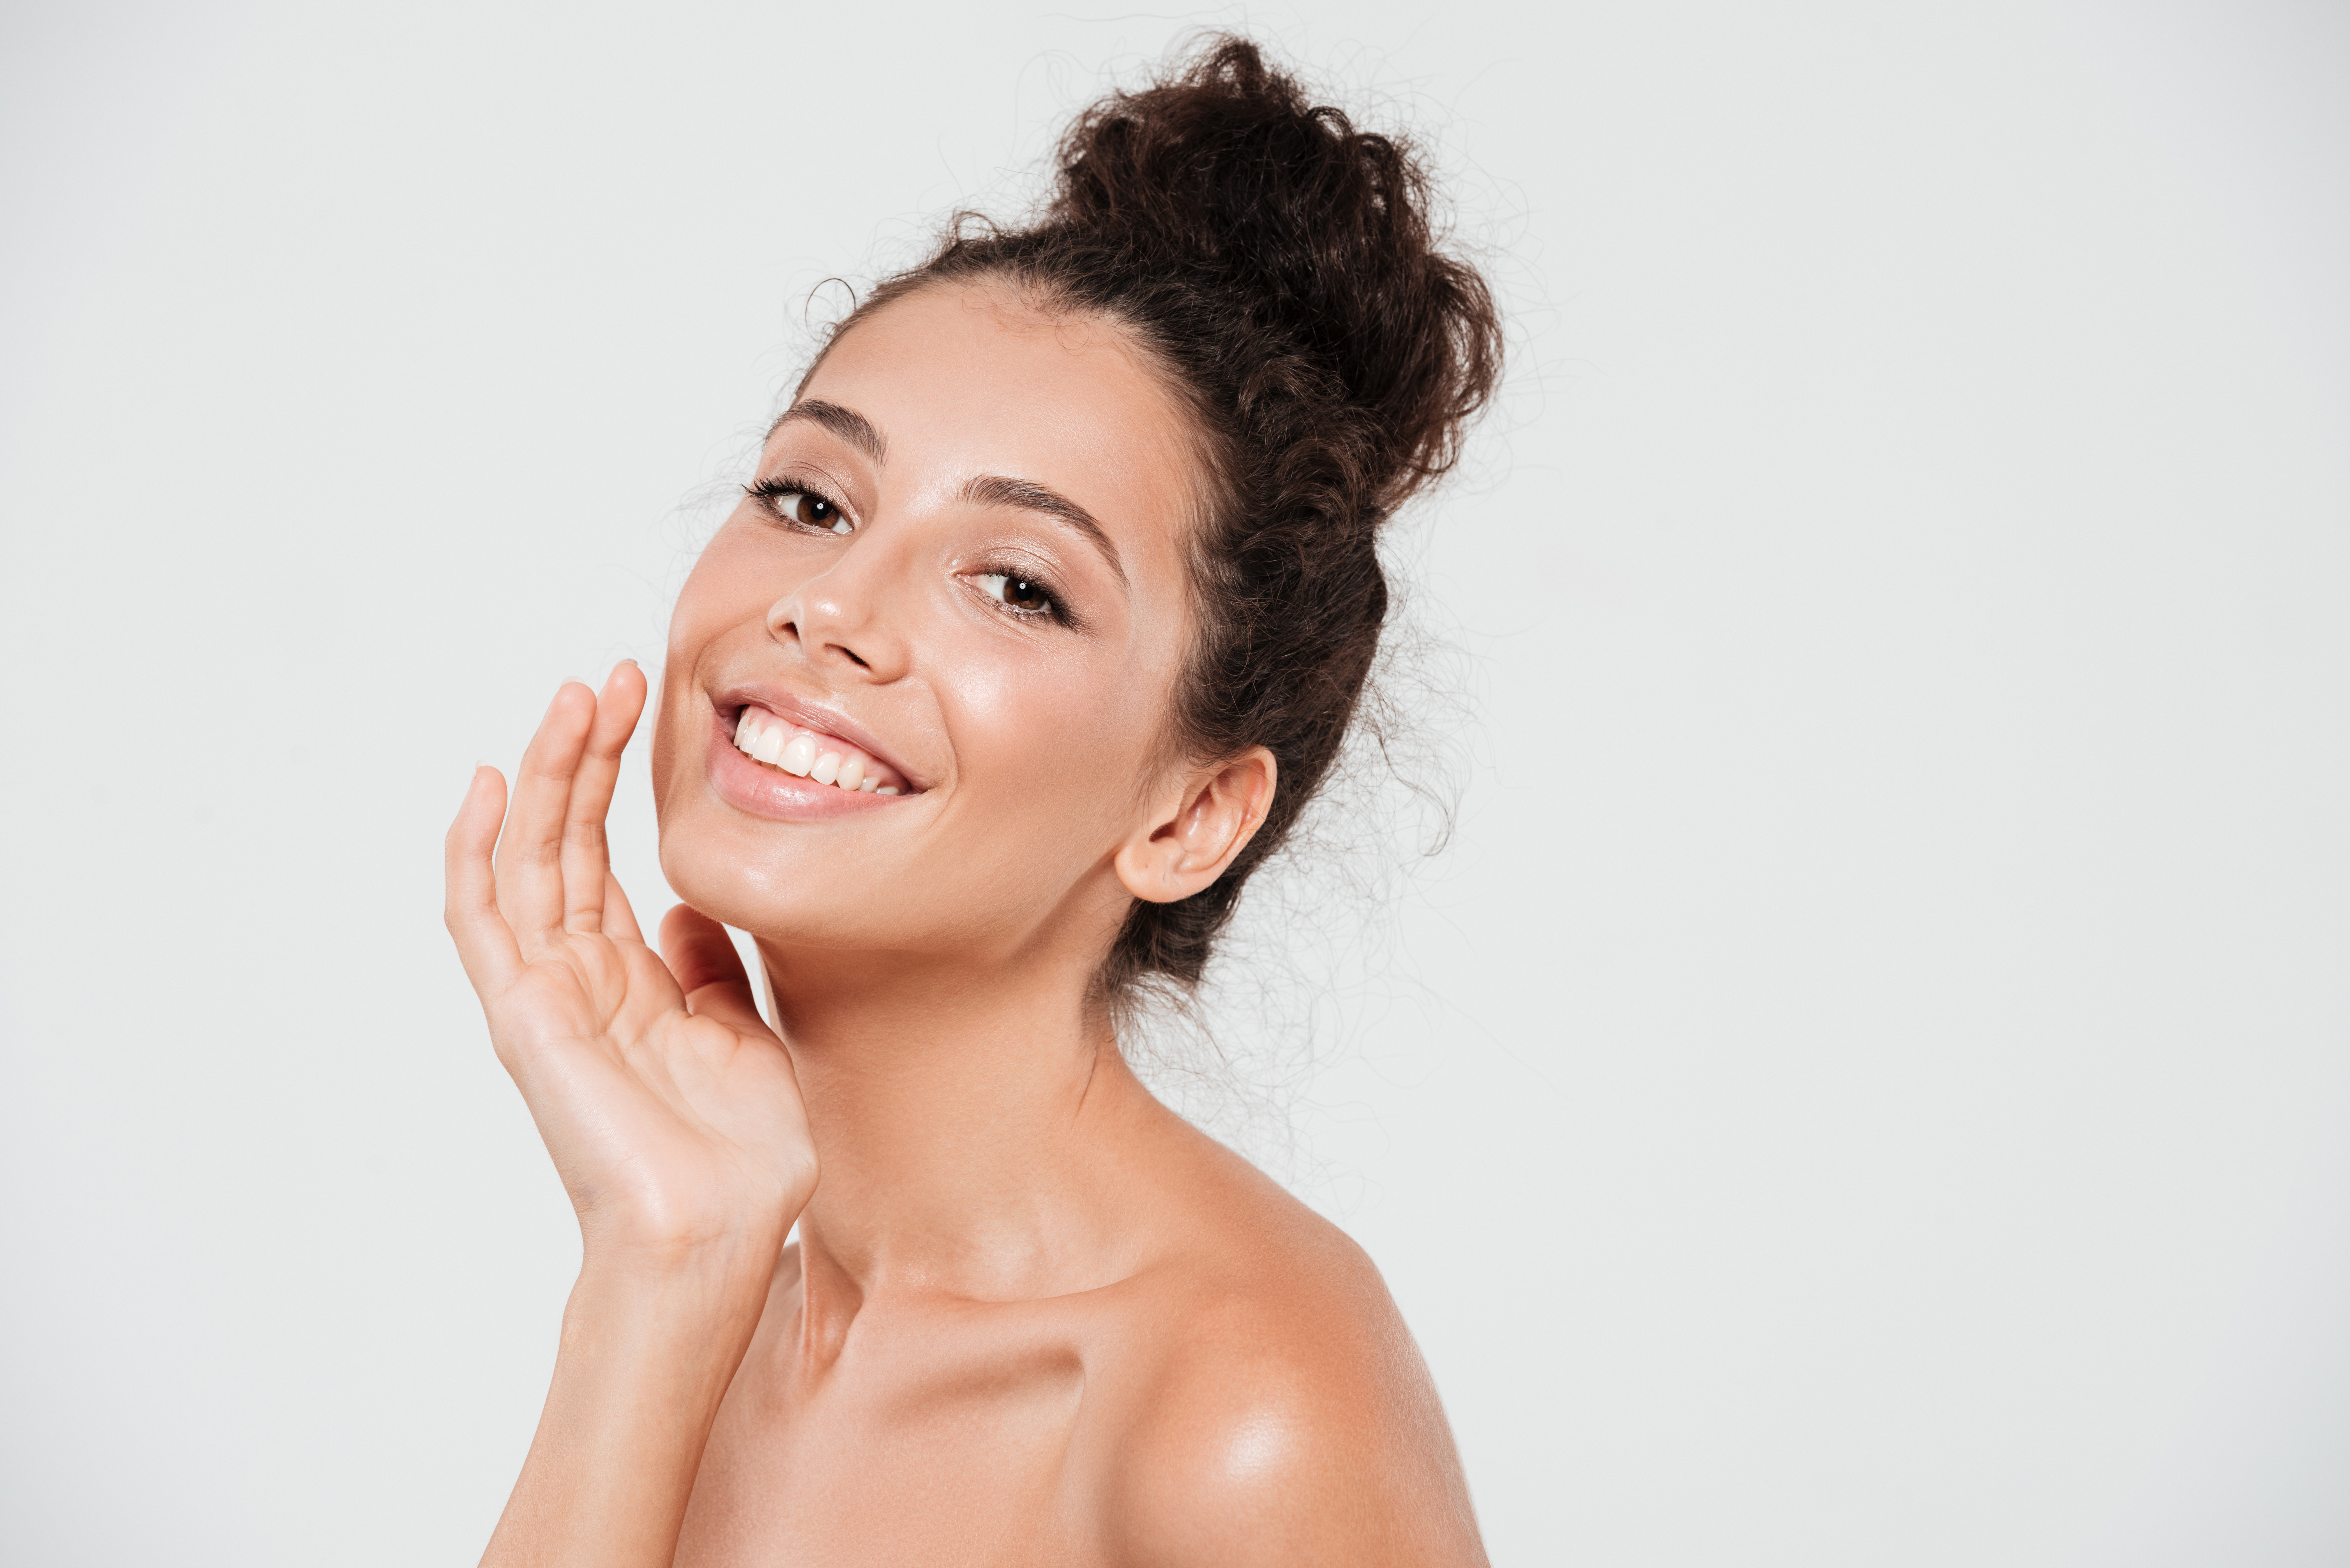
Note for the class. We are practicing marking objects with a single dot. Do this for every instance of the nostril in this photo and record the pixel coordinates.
(854, 659)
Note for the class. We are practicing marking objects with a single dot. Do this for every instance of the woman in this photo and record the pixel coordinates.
(1045, 615)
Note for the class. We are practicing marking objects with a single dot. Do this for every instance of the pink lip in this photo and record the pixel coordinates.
(764, 791)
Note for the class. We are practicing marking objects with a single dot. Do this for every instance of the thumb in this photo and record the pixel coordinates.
(709, 971)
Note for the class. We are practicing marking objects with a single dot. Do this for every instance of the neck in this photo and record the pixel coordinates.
(966, 1126)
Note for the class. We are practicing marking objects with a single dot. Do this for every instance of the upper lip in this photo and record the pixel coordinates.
(815, 716)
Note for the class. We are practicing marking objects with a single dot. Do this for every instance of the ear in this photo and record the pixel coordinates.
(1200, 825)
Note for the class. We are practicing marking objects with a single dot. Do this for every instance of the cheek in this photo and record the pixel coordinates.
(1051, 733)
(1061, 739)
(721, 592)
(737, 574)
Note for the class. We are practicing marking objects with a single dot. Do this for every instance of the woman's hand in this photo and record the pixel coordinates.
(673, 1118)
(670, 1108)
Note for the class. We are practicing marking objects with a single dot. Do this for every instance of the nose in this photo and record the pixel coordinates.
(842, 616)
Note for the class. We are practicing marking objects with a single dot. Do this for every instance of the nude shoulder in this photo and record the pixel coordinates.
(1277, 1411)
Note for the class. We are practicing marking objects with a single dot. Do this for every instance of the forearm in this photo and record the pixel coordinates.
(644, 1363)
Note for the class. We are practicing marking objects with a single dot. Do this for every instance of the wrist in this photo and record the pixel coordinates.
(687, 1285)
(633, 1252)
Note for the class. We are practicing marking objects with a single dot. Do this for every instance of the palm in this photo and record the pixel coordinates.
(669, 1108)
(688, 1118)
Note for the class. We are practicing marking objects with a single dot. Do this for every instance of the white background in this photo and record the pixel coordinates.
(1869, 1083)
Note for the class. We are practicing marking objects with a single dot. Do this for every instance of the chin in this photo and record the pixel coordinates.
(747, 879)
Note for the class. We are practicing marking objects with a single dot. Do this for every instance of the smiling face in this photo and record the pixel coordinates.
(960, 576)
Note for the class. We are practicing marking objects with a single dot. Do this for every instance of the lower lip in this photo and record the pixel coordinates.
(763, 791)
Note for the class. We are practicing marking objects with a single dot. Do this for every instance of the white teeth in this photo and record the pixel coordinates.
(798, 753)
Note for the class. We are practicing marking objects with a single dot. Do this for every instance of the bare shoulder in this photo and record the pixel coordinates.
(1272, 1406)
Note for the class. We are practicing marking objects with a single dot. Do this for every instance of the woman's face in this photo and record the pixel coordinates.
(959, 574)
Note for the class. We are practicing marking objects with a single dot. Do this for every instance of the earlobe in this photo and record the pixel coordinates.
(1199, 827)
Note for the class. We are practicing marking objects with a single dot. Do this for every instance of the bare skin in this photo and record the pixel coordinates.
(1031, 1316)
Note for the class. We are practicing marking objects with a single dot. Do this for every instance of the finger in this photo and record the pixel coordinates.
(485, 945)
(587, 864)
(619, 919)
(530, 850)
(708, 969)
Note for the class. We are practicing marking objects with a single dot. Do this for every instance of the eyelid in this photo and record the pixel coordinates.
(1060, 614)
(771, 487)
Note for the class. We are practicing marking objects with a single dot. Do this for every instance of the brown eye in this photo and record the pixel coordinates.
(802, 508)
(815, 511)
(1017, 594)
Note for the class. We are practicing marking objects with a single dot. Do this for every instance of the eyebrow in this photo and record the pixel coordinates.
(995, 490)
(847, 423)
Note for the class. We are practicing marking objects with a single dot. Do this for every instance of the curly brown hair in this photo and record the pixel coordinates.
(1282, 269)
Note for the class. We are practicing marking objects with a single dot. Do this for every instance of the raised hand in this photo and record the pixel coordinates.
(672, 1114)
(670, 1109)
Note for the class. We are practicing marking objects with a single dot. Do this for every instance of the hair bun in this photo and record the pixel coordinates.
(1320, 232)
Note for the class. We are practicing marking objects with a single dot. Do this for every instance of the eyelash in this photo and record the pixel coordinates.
(1055, 608)
(770, 493)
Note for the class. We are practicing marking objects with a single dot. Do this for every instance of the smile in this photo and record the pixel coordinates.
(794, 749)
